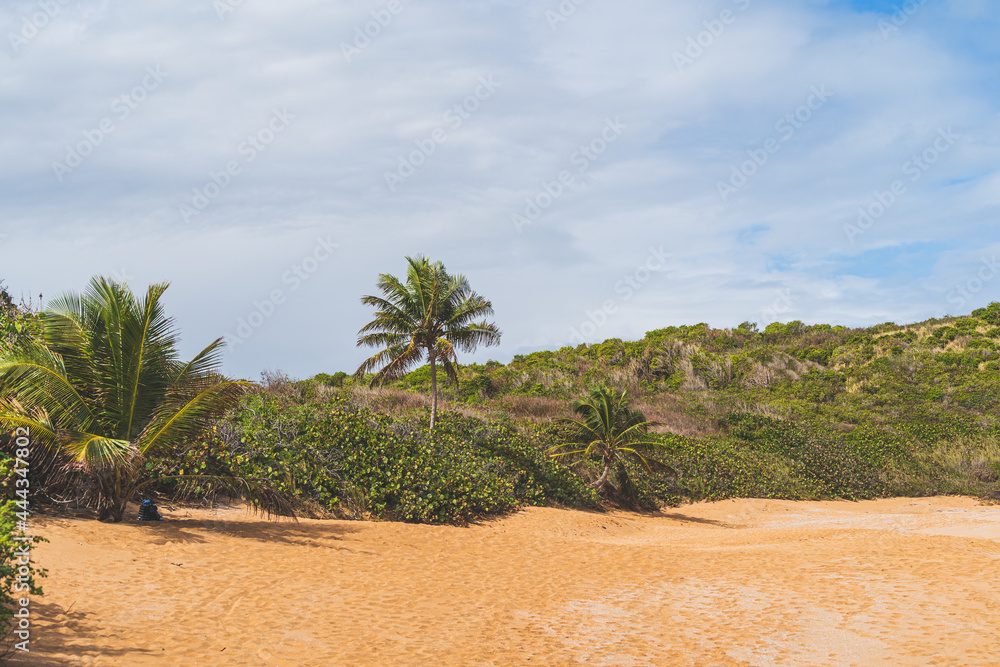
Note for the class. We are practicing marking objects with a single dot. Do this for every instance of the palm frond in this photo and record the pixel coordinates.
(148, 358)
(202, 368)
(181, 417)
(64, 335)
(96, 452)
(14, 415)
(38, 380)
(470, 337)
(384, 339)
(399, 361)
(558, 450)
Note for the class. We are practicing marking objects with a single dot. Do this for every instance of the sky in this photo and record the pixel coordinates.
(596, 169)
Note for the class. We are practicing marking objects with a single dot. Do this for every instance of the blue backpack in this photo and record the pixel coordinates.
(147, 512)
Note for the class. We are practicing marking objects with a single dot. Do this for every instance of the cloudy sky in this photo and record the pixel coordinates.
(597, 169)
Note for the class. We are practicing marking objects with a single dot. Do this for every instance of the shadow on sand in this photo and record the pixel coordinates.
(280, 531)
(69, 635)
(661, 514)
(197, 530)
(677, 516)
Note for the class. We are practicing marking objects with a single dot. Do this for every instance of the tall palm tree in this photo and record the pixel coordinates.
(608, 429)
(105, 389)
(430, 316)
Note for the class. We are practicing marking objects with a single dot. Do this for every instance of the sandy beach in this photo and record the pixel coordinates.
(748, 582)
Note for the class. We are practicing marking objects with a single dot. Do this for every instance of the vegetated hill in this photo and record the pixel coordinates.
(914, 407)
(938, 378)
(794, 411)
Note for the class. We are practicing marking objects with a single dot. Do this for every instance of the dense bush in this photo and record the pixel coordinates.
(465, 469)
(768, 458)
(340, 458)
(335, 380)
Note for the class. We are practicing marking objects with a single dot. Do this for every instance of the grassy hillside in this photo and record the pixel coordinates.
(929, 380)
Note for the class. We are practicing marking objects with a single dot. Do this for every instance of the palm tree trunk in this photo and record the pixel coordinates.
(118, 512)
(434, 388)
(117, 500)
(602, 480)
(114, 510)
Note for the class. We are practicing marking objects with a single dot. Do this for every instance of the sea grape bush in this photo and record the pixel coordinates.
(465, 469)
(259, 441)
(325, 454)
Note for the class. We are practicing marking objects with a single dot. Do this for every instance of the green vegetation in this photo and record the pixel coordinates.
(430, 315)
(794, 411)
(333, 455)
(16, 320)
(105, 389)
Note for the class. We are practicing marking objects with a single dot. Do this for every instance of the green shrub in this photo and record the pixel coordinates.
(990, 314)
(335, 380)
(339, 457)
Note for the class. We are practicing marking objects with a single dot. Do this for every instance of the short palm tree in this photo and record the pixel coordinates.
(430, 316)
(609, 430)
(105, 389)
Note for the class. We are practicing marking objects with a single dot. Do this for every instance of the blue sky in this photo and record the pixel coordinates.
(596, 169)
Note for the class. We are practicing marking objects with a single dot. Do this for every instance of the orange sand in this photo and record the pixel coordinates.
(749, 582)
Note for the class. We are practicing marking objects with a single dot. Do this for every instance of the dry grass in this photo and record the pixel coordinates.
(535, 409)
(668, 412)
(396, 403)
(762, 409)
(402, 404)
